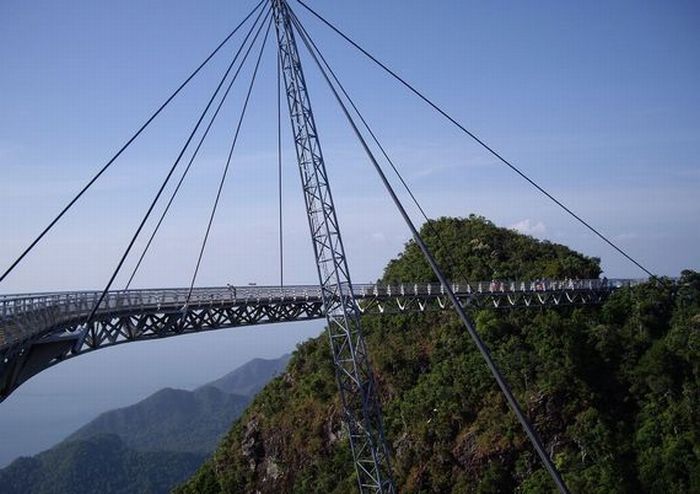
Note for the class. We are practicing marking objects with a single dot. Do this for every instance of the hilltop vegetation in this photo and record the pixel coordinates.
(613, 391)
(477, 249)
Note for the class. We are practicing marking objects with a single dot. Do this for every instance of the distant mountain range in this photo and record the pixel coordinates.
(99, 464)
(148, 447)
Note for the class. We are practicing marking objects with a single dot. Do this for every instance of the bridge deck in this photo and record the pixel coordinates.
(40, 330)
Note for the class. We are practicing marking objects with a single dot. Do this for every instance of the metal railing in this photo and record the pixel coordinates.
(13, 304)
(494, 286)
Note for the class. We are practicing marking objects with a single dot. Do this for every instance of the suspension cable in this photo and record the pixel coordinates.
(125, 146)
(428, 222)
(228, 160)
(162, 188)
(483, 349)
(196, 151)
(479, 141)
(279, 165)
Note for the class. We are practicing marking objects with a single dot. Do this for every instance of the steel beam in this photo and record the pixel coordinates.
(356, 384)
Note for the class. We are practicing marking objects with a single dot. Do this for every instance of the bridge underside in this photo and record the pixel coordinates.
(52, 338)
(72, 338)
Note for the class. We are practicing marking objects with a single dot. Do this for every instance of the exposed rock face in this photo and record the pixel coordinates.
(272, 470)
(251, 446)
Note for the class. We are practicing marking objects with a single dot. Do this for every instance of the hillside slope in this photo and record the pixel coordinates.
(613, 391)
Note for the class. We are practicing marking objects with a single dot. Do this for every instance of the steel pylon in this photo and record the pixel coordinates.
(356, 384)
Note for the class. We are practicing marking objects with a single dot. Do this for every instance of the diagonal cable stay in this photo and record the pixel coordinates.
(224, 174)
(125, 146)
(163, 185)
(483, 349)
(479, 141)
(194, 154)
(279, 165)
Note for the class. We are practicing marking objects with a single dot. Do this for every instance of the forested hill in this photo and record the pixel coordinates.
(476, 249)
(612, 390)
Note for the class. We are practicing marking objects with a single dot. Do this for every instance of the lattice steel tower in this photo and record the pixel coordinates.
(356, 383)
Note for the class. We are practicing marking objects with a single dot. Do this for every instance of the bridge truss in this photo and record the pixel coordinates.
(38, 331)
(356, 384)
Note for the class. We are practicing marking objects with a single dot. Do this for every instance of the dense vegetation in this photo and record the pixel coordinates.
(613, 390)
(477, 249)
(148, 447)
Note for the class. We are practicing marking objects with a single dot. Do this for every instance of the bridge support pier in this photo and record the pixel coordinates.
(356, 383)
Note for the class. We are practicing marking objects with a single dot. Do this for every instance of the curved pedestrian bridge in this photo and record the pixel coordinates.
(42, 329)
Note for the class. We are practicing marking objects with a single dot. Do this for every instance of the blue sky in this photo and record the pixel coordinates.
(597, 101)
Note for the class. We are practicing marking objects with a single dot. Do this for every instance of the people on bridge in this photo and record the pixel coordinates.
(231, 289)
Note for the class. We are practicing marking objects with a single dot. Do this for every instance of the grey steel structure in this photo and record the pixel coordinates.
(356, 384)
(40, 330)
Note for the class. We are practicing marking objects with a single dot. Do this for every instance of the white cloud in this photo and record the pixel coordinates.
(529, 227)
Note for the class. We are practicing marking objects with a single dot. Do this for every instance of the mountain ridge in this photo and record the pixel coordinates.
(245, 381)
